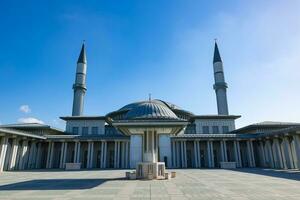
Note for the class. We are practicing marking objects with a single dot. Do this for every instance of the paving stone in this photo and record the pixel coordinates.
(216, 184)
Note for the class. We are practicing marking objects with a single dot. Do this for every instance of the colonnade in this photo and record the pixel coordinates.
(282, 152)
(276, 152)
(26, 153)
(18, 153)
(114, 154)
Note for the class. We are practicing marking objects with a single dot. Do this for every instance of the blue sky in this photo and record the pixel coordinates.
(140, 47)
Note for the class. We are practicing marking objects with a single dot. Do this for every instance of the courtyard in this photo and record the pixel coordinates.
(189, 184)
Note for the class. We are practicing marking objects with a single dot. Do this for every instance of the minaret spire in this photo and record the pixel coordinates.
(220, 85)
(79, 86)
(82, 55)
(217, 57)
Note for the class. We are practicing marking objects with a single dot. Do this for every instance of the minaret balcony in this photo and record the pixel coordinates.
(79, 86)
(220, 85)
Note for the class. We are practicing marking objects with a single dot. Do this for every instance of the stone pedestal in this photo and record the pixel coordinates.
(149, 170)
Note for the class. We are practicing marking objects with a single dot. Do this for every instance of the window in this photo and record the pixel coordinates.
(215, 129)
(85, 130)
(225, 129)
(75, 130)
(95, 130)
(205, 129)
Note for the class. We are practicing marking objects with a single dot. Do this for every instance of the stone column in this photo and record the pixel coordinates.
(208, 154)
(63, 155)
(101, 154)
(277, 152)
(252, 153)
(182, 154)
(223, 150)
(212, 154)
(32, 151)
(177, 154)
(267, 159)
(127, 155)
(3, 150)
(185, 158)
(270, 153)
(24, 155)
(237, 153)
(262, 153)
(281, 147)
(118, 154)
(249, 156)
(92, 155)
(62, 148)
(104, 153)
(50, 155)
(173, 154)
(35, 154)
(195, 154)
(296, 150)
(115, 154)
(38, 156)
(289, 155)
(77, 152)
(236, 157)
(123, 157)
(15, 146)
(89, 155)
(199, 154)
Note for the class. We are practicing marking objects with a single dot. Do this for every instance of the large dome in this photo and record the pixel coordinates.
(150, 110)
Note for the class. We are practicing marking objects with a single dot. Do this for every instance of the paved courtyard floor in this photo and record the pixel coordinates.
(211, 184)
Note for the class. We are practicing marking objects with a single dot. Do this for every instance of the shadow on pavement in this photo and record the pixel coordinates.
(56, 184)
(287, 174)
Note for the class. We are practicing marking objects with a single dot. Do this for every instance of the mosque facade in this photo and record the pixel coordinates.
(122, 138)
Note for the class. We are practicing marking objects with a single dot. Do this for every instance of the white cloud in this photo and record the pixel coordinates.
(30, 120)
(25, 109)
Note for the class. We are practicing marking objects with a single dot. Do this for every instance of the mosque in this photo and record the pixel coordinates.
(153, 129)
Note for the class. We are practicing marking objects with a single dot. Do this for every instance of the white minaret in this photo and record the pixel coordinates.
(220, 85)
(79, 86)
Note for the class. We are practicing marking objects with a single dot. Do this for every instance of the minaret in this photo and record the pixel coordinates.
(220, 85)
(79, 86)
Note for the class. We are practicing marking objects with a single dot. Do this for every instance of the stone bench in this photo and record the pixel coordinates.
(228, 165)
(73, 166)
(131, 175)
